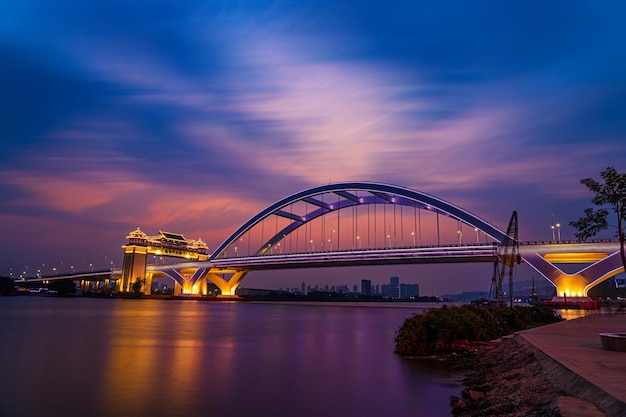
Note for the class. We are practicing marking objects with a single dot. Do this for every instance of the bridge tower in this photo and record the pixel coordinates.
(135, 260)
(140, 246)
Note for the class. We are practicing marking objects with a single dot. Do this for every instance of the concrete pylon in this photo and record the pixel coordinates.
(603, 266)
(229, 287)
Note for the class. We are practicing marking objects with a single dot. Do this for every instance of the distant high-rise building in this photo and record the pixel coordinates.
(409, 290)
(385, 290)
(366, 287)
(394, 287)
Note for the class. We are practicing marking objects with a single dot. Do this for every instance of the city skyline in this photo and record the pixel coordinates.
(191, 118)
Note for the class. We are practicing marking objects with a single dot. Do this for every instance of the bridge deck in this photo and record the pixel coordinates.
(417, 255)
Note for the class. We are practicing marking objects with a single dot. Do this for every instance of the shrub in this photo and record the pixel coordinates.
(445, 330)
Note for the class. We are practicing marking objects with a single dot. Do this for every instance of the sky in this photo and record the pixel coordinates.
(192, 116)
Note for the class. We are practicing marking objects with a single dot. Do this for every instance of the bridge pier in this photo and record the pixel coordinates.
(605, 263)
(227, 288)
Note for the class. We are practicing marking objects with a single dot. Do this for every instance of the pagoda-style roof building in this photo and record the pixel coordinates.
(174, 244)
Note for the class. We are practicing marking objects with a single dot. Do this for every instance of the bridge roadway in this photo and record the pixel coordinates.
(542, 256)
(388, 256)
(563, 252)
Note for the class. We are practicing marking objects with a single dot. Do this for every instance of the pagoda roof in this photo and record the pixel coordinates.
(171, 236)
(137, 234)
(199, 244)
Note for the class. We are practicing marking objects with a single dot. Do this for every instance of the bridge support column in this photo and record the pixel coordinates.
(200, 287)
(229, 287)
(147, 286)
(577, 284)
(134, 267)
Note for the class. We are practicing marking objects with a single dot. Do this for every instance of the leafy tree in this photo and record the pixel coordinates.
(7, 286)
(611, 193)
(63, 287)
(137, 286)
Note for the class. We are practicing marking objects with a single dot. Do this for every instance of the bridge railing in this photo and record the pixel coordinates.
(361, 250)
(566, 242)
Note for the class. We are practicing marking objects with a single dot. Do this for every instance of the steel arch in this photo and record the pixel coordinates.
(379, 193)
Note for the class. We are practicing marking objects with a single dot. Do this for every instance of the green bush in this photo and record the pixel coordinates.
(442, 331)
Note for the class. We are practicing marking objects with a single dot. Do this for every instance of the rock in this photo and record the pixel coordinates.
(476, 395)
(460, 407)
(505, 380)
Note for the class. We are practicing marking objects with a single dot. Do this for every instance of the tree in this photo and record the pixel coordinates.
(611, 193)
(7, 286)
(137, 286)
(63, 287)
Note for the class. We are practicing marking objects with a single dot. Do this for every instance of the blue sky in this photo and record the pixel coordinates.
(192, 116)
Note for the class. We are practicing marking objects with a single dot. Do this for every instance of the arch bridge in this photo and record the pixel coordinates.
(367, 223)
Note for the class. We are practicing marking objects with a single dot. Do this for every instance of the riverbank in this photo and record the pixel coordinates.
(554, 370)
(506, 380)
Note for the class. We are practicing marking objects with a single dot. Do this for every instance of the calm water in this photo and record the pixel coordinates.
(101, 357)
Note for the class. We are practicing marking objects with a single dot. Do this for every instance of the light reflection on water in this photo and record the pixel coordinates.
(81, 357)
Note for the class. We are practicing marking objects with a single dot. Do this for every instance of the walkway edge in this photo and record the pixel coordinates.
(573, 384)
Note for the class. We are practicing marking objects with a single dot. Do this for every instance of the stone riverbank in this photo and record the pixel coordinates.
(507, 379)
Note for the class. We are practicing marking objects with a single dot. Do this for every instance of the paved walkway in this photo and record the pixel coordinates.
(575, 344)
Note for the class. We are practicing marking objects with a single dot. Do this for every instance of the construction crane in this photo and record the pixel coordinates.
(505, 260)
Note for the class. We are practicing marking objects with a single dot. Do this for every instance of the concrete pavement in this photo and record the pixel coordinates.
(572, 355)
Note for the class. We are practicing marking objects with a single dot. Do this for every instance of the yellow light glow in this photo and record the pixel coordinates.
(582, 257)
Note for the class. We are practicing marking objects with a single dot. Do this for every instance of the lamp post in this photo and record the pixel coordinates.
(458, 232)
(312, 247)
(552, 233)
(558, 231)
(358, 239)
(413, 234)
(476, 230)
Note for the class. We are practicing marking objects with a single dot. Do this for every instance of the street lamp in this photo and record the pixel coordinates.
(558, 231)
(476, 230)
(458, 232)
(312, 247)
(358, 239)
(413, 234)
(552, 232)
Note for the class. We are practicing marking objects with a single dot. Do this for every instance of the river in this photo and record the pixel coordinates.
(111, 357)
